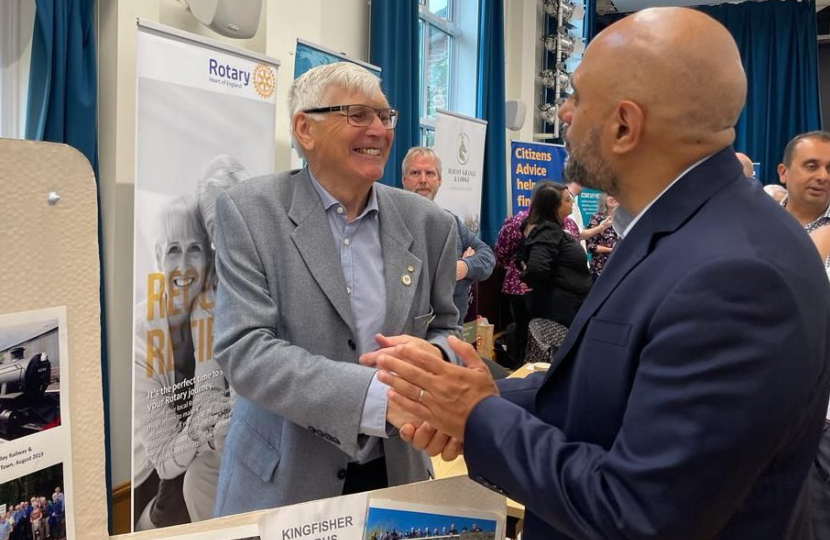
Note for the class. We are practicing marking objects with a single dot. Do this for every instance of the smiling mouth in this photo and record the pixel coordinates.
(368, 151)
(182, 282)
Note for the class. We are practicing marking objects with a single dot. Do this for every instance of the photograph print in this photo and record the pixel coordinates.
(29, 378)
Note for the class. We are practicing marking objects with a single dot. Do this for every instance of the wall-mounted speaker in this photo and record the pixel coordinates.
(514, 114)
(232, 18)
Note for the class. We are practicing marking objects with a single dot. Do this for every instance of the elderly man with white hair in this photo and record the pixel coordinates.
(318, 267)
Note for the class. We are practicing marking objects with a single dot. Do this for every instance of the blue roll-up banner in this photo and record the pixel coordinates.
(309, 55)
(532, 162)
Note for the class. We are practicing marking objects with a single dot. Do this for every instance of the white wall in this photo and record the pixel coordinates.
(341, 25)
(523, 58)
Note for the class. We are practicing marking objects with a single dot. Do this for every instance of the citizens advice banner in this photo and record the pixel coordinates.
(532, 162)
(205, 121)
(459, 141)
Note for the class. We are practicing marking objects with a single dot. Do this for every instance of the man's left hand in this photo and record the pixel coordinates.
(388, 343)
(435, 391)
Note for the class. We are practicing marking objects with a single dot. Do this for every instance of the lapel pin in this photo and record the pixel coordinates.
(410, 268)
(406, 280)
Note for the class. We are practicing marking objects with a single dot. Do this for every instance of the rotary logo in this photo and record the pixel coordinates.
(264, 80)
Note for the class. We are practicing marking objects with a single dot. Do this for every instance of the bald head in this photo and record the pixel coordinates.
(680, 66)
(746, 163)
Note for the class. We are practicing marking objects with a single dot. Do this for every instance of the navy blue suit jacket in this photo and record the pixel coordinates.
(687, 399)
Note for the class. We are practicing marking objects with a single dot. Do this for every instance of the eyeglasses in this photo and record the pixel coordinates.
(361, 115)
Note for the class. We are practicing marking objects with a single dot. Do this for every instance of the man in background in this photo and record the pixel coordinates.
(805, 170)
(422, 175)
(746, 163)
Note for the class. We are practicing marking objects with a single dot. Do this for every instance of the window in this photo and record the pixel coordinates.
(448, 40)
(16, 26)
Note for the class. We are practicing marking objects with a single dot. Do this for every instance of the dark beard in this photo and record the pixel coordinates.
(601, 178)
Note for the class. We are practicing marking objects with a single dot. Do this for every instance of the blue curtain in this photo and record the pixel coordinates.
(61, 108)
(778, 47)
(490, 107)
(589, 22)
(394, 48)
(62, 81)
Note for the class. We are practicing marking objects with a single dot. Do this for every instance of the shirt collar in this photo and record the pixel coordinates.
(624, 221)
(822, 219)
(329, 201)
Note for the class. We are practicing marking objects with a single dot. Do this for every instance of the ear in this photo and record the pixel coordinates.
(782, 174)
(303, 128)
(627, 127)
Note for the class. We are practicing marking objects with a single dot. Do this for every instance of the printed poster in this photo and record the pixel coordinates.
(532, 162)
(35, 439)
(459, 141)
(205, 121)
(390, 520)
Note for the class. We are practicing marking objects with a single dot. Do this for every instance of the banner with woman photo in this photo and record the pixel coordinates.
(205, 120)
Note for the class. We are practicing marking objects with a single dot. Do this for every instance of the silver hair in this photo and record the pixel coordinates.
(219, 174)
(311, 90)
(419, 151)
(180, 219)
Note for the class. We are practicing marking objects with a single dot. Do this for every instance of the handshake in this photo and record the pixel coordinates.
(430, 399)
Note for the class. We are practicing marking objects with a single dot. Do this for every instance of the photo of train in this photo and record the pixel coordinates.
(29, 379)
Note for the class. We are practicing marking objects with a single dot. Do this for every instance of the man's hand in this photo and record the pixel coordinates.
(435, 391)
(399, 418)
(388, 343)
(461, 270)
(431, 441)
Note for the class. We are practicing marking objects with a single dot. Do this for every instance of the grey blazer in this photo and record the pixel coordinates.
(284, 335)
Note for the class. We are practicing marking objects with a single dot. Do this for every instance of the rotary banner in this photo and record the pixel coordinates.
(205, 120)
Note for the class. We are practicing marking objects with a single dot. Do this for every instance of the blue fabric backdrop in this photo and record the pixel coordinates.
(394, 48)
(61, 108)
(490, 107)
(778, 46)
(62, 81)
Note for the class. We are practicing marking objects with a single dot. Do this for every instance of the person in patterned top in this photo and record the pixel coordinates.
(806, 173)
(601, 245)
(512, 288)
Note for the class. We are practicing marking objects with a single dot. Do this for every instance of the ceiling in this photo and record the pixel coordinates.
(626, 6)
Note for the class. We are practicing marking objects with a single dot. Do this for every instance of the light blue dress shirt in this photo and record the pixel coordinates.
(361, 259)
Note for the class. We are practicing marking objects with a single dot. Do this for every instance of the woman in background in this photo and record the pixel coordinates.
(601, 245)
(552, 263)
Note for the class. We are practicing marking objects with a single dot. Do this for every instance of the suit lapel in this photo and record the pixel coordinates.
(401, 268)
(674, 208)
(313, 239)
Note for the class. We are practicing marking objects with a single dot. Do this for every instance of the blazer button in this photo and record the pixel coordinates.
(341, 474)
(352, 346)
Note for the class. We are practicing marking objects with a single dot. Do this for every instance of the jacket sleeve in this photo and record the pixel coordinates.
(480, 265)
(719, 389)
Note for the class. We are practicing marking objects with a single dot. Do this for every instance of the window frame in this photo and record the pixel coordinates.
(15, 54)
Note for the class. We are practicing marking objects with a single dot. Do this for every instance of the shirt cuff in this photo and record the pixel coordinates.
(373, 418)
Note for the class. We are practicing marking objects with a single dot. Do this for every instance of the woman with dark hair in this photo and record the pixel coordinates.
(552, 263)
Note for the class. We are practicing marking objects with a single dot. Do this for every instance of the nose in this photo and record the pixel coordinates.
(376, 127)
(566, 111)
